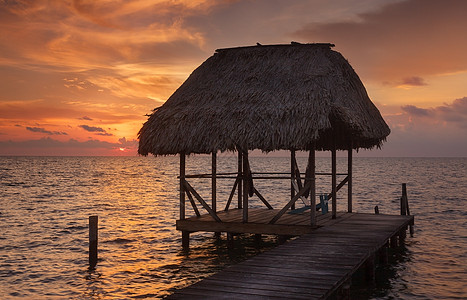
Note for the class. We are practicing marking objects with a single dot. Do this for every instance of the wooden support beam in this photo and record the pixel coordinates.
(240, 176)
(370, 269)
(292, 175)
(182, 185)
(193, 204)
(246, 186)
(312, 171)
(232, 193)
(292, 201)
(213, 181)
(339, 186)
(383, 255)
(334, 182)
(203, 203)
(393, 241)
(262, 198)
(185, 240)
(349, 181)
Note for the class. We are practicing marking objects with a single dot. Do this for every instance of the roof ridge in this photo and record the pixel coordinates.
(292, 44)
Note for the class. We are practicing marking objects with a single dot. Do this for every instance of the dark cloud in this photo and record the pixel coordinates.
(416, 111)
(455, 113)
(414, 81)
(85, 118)
(42, 130)
(92, 128)
(49, 146)
(104, 134)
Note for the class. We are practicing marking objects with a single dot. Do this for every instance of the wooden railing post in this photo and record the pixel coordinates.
(245, 187)
(185, 234)
(240, 176)
(334, 182)
(349, 181)
(214, 181)
(312, 173)
(292, 175)
(182, 185)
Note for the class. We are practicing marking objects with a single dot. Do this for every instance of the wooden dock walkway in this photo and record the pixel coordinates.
(314, 266)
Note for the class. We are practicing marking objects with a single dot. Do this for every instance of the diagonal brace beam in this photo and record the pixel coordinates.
(339, 186)
(193, 204)
(262, 198)
(203, 203)
(232, 193)
(291, 202)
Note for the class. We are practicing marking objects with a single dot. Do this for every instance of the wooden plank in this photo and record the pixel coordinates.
(266, 279)
(248, 292)
(301, 290)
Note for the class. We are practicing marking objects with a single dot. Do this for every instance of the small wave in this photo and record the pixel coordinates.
(76, 227)
(144, 296)
(120, 241)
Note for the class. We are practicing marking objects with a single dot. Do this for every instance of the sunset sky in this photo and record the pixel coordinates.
(79, 77)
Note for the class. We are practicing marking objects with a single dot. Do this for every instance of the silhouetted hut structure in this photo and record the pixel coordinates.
(291, 97)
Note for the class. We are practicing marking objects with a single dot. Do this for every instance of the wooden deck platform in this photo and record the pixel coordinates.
(258, 219)
(313, 266)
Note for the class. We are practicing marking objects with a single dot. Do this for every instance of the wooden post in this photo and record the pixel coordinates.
(402, 236)
(349, 181)
(93, 222)
(404, 200)
(334, 181)
(245, 187)
(230, 240)
(370, 269)
(292, 176)
(185, 239)
(258, 239)
(240, 183)
(383, 255)
(214, 186)
(182, 186)
(312, 168)
(344, 293)
(213, 181)
(394, 241)
(185, 234)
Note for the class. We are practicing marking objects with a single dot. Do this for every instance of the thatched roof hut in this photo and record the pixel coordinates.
(274, 97)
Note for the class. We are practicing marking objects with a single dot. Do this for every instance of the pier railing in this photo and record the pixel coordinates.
(300, 189)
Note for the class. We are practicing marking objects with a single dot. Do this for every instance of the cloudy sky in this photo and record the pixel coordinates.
(78, 77)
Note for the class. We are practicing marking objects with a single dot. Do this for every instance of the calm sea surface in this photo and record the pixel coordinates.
(46, 202)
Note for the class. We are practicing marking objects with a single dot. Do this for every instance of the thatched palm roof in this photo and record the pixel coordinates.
(275, 97)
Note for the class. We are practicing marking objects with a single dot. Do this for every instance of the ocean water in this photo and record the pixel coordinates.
(46, 202)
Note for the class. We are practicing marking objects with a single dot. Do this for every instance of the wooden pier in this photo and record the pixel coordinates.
(317, 265)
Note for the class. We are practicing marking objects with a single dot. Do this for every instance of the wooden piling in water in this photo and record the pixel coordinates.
(93, 237)
(185, 239)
